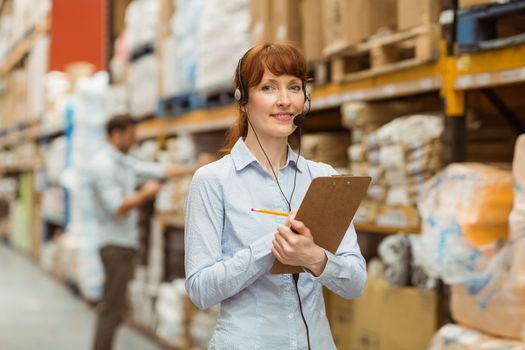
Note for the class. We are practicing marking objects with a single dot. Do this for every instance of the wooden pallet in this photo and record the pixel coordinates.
(491, 27)
(385, 54)
(217, 98)
(180, 104)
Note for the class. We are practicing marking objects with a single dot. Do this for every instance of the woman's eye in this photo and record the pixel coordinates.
(267, 88)
(295, 88)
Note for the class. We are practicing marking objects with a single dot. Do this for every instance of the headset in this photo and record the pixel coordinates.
(241, 96)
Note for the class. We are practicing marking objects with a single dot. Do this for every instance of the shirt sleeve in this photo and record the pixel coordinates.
(106, 188)
(210, 277)
(345, 271)
(146, 169)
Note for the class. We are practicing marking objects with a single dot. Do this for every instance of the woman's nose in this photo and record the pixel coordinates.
(283, 98)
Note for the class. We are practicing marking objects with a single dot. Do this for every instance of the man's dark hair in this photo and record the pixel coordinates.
(120, 123)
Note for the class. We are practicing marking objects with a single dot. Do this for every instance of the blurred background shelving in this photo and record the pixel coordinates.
(399, 97)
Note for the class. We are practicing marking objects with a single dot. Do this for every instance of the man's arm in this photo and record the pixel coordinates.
(146, 192)
(172, 170)
(155, 170)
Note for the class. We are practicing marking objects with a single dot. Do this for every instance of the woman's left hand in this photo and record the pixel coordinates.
(294, 245)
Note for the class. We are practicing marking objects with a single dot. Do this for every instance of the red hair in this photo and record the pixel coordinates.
(279, 58)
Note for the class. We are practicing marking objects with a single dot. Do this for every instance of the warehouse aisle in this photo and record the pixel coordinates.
(36, 312)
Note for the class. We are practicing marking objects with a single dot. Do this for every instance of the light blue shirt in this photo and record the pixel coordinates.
(114, 176)
(228, 256)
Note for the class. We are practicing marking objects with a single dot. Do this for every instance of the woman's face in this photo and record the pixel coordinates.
(273, 104)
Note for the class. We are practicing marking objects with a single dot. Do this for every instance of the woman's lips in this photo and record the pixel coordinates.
(282, 116)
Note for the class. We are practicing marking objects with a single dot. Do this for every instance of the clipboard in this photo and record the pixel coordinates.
(327, 210)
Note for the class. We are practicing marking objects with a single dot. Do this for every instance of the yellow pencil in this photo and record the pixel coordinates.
(266, 211)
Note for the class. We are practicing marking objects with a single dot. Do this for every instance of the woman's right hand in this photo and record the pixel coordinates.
(294, 245)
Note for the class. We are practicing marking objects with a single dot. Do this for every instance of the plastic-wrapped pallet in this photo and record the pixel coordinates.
(477, 197)
(326, 147)
(56, 86)
(399, 165)
(394, 252)
(202, 325)
(222, 38)
(17, 19)
(142, 293)
(117, 100)
(517, 216)
(53, 206)
(88, 107)
(147, 151)
(55, 158)
(37, 67)
(172, 198)
(90, 270)
(402, 140)
(365, 115)
(141, 23)
(170, 73)
(410, 130)
(499, 307)
(181, 149)
(367, 212)
(462, 206)
(456, 337)
(171, 313)
(185, 26)
(173, 195)
(142, 85)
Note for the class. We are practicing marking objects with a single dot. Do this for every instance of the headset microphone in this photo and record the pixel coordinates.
(298, 120)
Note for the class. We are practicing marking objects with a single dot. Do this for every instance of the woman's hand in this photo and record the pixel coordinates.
(294, 245)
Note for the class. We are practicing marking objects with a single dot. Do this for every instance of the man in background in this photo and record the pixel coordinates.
(114, 180)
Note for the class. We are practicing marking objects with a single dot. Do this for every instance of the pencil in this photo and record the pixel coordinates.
(266, 211)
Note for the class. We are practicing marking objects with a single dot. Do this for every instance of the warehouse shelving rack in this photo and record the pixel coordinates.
(32, 130)
(450, 76)
(27, 131)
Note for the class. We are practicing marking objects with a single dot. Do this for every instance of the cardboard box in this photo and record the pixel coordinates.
(348, 22)
(261, 21)
(312, 25)
(413, 13)
(384, 318)
(286, 24)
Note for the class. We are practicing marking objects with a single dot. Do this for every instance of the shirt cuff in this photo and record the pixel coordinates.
(329, 271)
(263, 246)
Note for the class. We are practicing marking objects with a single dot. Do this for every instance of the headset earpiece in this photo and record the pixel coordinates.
(307, 104)
(237, 94)
(307, 99)
(240, 94)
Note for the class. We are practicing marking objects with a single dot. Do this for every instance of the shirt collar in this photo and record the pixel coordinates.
(242, 156)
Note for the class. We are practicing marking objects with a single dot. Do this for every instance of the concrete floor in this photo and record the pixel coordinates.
(37, 312)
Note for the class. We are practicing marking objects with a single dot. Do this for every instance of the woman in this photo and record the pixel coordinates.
(230, 249)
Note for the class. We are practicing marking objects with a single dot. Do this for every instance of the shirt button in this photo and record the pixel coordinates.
(290, 316)
(294, 343)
